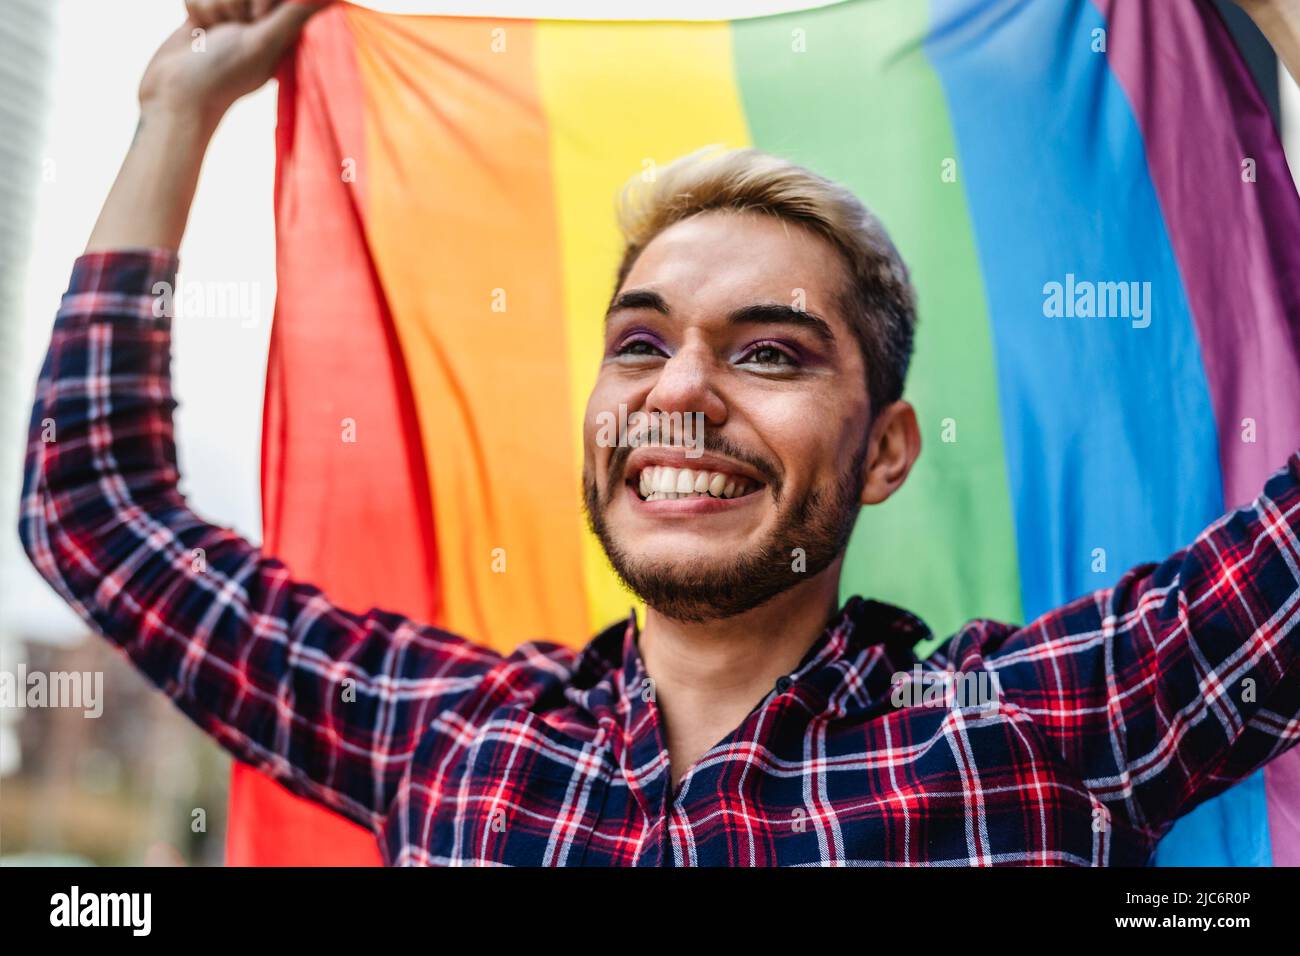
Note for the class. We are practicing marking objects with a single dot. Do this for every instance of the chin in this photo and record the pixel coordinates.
(680, 556)
(697, 558)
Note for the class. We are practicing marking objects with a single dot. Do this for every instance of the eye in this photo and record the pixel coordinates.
(637, 347)
(769, 355)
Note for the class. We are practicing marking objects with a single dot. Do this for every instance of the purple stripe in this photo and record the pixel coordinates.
(1238, 248)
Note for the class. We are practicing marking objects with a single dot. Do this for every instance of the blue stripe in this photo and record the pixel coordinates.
(1109, 429)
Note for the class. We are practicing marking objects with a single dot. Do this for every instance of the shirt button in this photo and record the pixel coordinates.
(783, 684)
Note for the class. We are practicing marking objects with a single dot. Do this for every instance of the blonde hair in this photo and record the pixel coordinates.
(880, 303)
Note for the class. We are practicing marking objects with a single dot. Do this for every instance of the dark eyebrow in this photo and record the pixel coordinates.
(777, 313)
(637, 299)
(767, 313)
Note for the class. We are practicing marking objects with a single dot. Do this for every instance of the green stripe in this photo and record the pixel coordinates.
(862, 105)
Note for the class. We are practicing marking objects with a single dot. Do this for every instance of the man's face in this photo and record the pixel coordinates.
(735, 316)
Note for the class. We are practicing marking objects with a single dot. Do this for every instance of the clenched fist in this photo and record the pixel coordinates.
(224, 49)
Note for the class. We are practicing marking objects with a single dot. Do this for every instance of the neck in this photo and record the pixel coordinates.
(708, 677)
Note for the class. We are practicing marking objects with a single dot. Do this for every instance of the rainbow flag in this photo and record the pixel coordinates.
(447, 246)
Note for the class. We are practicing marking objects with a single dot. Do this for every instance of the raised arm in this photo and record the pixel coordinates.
(210, 61)
(1179, 681)
(330, 703)
(1279, 21)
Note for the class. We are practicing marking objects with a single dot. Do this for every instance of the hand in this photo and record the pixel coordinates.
(1279, 21)
(223, 50)
(188, 86)
(1260, 4)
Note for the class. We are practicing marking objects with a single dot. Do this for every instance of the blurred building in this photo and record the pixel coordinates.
(121, 788)
(26, 35)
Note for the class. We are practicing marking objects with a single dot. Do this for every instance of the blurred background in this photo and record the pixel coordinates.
(139, 784)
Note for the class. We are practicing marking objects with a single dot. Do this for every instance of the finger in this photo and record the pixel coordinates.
(262, 7)
(279, 29)
(199, 11)
(234, 11)
(208, 13)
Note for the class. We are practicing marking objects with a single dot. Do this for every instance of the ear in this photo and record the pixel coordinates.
(894, 447)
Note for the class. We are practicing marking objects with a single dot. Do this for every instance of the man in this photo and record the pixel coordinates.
(751, 721)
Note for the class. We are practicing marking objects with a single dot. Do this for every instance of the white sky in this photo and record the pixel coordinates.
(219, 366)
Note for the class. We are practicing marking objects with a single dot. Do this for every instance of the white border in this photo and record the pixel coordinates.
(595, 10)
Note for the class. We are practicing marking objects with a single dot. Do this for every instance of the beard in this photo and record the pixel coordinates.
(819, 522)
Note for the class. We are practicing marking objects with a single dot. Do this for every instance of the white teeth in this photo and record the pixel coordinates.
(662, 483)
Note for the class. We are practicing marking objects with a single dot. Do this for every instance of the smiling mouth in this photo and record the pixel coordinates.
(664, 483)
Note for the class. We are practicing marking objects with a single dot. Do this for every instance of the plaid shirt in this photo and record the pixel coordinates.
(1114, 715)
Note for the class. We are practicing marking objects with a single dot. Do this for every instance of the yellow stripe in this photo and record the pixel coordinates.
(666, 89)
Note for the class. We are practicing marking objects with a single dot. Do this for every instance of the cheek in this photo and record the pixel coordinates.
(592, 452)
(806, 434)
(794, 430)
(600, 421)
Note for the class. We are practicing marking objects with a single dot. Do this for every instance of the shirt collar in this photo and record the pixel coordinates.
(849, 668)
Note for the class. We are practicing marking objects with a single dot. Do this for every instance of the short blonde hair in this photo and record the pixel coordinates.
(880, 303)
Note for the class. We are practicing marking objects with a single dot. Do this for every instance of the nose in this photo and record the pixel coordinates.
(686, 385)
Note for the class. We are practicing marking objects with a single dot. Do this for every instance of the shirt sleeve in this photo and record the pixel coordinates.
(1179, 681)
(328, 702)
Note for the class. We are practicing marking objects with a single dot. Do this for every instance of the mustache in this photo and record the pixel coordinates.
(713, 441)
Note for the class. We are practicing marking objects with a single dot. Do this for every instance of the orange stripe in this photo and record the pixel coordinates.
(461, 225)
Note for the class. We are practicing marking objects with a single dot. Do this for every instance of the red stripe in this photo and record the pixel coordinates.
(375, 545)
